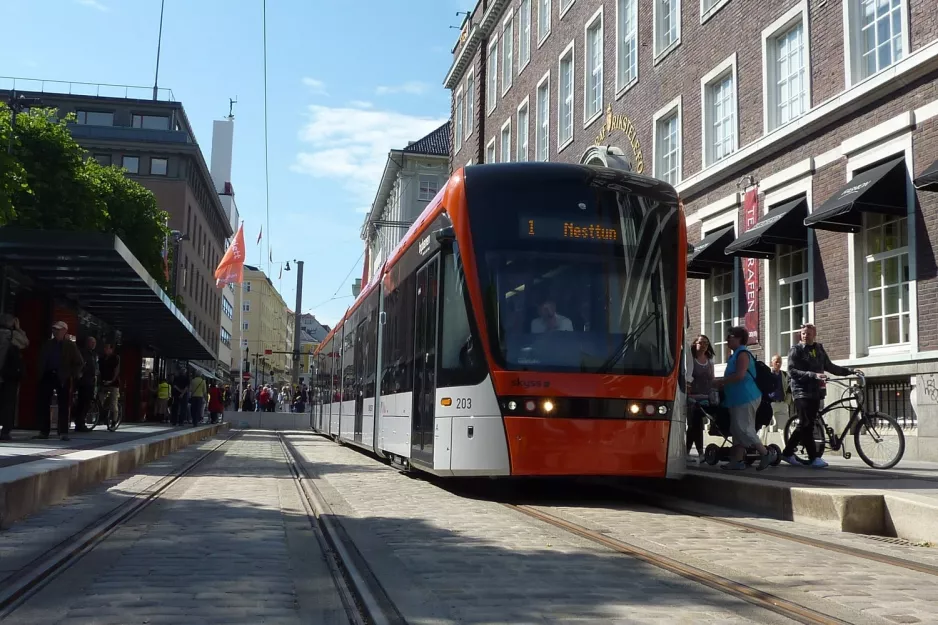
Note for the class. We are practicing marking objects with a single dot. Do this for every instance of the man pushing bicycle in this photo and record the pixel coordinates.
(807, 364)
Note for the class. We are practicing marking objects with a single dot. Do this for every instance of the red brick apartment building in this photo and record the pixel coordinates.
(825, 111)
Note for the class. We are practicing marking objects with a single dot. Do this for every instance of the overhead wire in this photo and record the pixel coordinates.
(266, 149)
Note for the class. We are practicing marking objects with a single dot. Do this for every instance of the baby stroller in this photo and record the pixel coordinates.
(718, 417)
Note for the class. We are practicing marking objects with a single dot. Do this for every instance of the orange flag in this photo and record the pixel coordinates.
(231, 268)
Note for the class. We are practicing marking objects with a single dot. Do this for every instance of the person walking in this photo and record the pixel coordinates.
(180, 392)
(109, 393)
(162, 400)
(807, 364)
(216, 404)
(60, 364)
(699, 384)
(742, 397)
(197, 393)
(12, 341)
(781, 396)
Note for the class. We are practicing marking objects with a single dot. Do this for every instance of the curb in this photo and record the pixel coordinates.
(29, 494)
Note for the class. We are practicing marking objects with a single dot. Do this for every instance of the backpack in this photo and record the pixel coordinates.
(765, 381)
(12, 365)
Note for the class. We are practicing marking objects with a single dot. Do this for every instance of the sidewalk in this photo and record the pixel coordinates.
(38, 473)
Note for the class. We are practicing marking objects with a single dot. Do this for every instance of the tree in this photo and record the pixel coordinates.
(52, 185)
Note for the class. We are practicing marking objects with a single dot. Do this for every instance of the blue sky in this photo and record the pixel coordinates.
(347, 81)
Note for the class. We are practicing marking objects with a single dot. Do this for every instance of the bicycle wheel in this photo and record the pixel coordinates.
(114, 419)
(92, 416)
(879, 435)
(820, 439)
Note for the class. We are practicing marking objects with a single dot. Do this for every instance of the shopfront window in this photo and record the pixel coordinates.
(887, 279)
(791, 272)
(720, 287)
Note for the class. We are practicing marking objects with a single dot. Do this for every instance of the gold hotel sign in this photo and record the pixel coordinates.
(621, 122)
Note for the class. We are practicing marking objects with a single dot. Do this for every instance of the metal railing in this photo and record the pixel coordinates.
(894, 397)
(106, 90)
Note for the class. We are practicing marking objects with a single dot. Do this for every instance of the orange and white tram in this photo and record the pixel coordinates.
(529, 323)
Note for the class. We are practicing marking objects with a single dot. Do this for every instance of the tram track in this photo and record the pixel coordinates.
(21, 585)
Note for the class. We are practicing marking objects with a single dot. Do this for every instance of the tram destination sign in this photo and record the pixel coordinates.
(566, 230)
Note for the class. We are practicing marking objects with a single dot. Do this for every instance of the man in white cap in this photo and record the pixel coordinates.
(60, 364)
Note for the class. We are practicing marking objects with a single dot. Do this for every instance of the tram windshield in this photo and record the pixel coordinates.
(579, 274)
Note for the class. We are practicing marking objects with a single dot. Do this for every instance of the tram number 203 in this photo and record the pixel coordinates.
(463, 403)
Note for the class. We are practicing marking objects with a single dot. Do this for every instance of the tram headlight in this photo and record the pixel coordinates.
(512, 405)
(634, 408)
(649, 409)
(530, 406)
(548, 406)
(662, 409)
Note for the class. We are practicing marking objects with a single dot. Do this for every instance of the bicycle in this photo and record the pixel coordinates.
(880, 427)
(93, 416)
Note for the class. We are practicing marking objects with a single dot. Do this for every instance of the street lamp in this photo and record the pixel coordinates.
(295, 374)
(177, 237)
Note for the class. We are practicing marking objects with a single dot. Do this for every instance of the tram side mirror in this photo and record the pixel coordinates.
(383, 318)
(445, 236)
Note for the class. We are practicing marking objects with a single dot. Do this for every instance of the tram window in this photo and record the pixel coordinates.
(397, 368)
(369, 352)
(460, 358)
(348, 366)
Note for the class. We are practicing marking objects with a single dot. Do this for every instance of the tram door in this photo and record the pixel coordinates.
(360, 378)
(425, 346)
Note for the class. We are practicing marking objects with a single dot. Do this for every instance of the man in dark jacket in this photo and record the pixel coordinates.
(807, 364)
(60, 365)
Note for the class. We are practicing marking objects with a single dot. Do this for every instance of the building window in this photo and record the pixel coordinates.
(244, 343)
(508, 53)
(491, 92)
(103, 159)
(246, 325)
(565, 98)
(95, 118)
(151, 122)
(524, 34)
(786, 73)
(490, 151)
(543, 20)
(626, 43)
(709, 7)
(791, 273)
(720, 287)
(227, 308)
(719, 124)
(667, 16)
(429, 187)
(457, 122)
(593, 83)
(565, 6)
(246, 306)
(877, 35)
(158, 166)
(131, 164)
(887, 279)
(506, 142)
(226, 338)
(247, 287)
(470, 102)
(668, 144)
(521, 153)
(542, 134)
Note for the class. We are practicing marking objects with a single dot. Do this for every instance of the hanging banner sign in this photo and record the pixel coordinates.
(751, 267)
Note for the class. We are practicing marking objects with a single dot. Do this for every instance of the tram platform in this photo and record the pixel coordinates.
(37, 473)
(848, 495)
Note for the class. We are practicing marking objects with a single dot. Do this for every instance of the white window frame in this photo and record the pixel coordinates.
(506, 127)
(246, 306)
(542, 141)
(797, 14)
(717, 73)
(491, 87)
(470, 101)
(596, 20)
(565, 6)
(707, 12)
(570, 51)
(852, 37)
(507, 68)
(856, 256)
(429, 178)
(621, 87)
(804, 186)
(543, 35)
(458, 121)
(675, 106)
(661, 53)
(727, 217)
(490, 146)
(524, 41)
(523, 149)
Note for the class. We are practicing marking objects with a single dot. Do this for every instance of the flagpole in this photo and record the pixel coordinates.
(241, 345)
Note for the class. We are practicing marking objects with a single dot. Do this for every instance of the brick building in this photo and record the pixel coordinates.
(824, 111)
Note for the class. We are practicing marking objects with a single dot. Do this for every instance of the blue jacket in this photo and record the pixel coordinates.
(746, 390)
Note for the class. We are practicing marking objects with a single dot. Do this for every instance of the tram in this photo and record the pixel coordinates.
(530, 323)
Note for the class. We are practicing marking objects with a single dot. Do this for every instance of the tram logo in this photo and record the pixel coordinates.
(423, 246)
(519, 383)
(621, 122)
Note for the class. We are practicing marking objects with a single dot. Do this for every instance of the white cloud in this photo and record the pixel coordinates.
(94, 4)
(315, 85)
(412, 87)
(351, 145)
(361, 104)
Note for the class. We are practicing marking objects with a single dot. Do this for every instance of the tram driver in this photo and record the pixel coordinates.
(549, 320)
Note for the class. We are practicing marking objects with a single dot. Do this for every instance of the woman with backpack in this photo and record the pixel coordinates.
(742, 397)
(12, 341)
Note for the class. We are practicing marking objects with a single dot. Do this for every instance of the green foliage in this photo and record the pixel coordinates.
(49, 183)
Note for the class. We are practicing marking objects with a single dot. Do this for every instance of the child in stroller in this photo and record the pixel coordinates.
(718, 417)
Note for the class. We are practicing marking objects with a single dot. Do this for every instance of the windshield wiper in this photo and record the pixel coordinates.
(627, 341)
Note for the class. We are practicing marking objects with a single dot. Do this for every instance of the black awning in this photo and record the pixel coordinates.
(783, 225)
(881, 190)
(928, 181)
(708, 253)
(98, 273)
